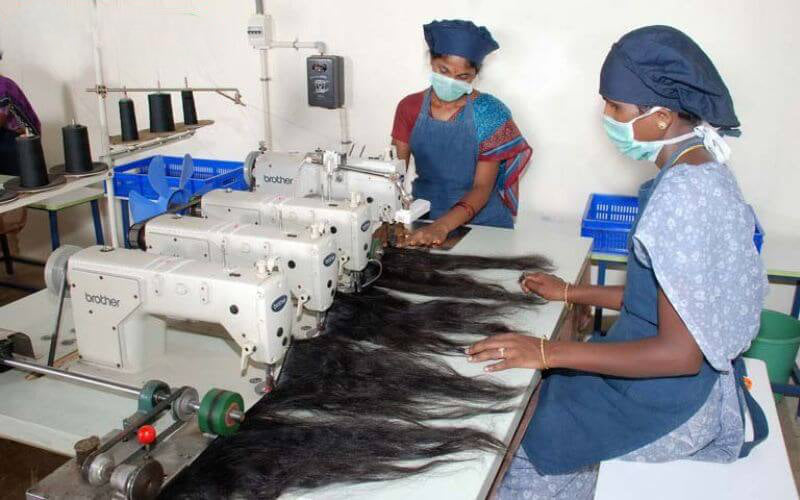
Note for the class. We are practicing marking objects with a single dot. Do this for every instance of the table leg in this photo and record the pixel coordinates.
(7, 260)
(598, 311)
(98, 224)
(54, 239)
(123, 204)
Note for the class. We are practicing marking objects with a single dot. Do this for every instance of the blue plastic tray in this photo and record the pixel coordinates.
(207, 175)
(608, 219)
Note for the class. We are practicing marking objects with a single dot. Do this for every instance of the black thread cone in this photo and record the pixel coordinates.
(189, 111)
(161, 118)
(77, 152)
(127, 120)
(30, 156)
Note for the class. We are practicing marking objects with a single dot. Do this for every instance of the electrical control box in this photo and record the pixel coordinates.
(258, 31)
(325, 81)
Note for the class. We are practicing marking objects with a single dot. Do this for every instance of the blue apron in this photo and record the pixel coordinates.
(583, 418)
(446, 156)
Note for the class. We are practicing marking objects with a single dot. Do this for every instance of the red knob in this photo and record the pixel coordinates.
(146, 434)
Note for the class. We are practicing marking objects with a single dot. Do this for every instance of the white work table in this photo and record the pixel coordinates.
(53, 414)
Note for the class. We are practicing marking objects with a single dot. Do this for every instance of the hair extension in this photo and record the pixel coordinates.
(449, 284)
(269, 456)
(339, 376)
(344, 411)
(349, 405)
(425, 273)
(434, 326)
(416, 258)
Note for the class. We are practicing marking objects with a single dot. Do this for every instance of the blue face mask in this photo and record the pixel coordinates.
(621, 134)
(449, 89)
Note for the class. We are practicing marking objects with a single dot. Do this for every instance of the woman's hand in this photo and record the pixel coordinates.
(432, 235)
(515, 350)
(547, 286)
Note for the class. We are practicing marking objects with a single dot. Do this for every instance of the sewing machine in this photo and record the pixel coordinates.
(119, 300)
(307, 256)
(333, 176)
(120, 297)
(347, 221)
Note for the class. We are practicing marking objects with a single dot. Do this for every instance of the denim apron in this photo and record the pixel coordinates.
(583, 418)
(446, 156)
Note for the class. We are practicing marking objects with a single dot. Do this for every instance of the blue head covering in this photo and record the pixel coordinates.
(661, 66)
(460, 38)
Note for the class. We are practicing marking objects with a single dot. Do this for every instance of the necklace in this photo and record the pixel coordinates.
(696, 146)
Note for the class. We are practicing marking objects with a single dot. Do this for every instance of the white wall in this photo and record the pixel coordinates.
(546, 71)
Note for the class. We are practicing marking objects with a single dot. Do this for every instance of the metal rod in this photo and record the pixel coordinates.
(111, 206)
(120, 90)
(105, 146)
(62, 293)
(121, 151)
(318, 46)
(344, 128)
(265, 100)
(87, 379)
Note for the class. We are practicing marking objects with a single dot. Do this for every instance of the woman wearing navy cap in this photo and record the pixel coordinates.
(666, 381)
(469, 154)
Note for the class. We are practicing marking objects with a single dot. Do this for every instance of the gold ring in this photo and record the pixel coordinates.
(503, 352)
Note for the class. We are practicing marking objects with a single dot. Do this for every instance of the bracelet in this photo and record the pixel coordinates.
(544, 359)
(466, 206)
(566, 293)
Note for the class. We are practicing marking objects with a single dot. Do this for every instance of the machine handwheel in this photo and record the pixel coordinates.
(147, 396)
(214, 414)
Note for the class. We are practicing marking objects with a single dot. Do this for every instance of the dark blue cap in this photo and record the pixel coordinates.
(661, 66)
(460, 38)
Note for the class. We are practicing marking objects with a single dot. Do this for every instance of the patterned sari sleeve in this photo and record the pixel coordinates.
(500, 140)
(696, 234)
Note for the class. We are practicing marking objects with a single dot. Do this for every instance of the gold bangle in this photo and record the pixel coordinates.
(566, 292)
(541, 348)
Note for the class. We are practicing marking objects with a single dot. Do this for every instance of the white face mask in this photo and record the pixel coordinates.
(622, 135)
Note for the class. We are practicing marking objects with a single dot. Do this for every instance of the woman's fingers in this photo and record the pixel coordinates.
(496, 367)
(532, 281)
(417, 238)
(489, 354)
(494, 342)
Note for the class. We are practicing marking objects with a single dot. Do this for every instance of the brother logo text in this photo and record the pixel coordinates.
(101, 300)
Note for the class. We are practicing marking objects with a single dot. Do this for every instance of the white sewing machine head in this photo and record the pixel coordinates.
(330, 175)
(120, 297)
(347, 221)
(306, 255)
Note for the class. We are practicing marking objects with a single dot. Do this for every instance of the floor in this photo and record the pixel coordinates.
(21, 466)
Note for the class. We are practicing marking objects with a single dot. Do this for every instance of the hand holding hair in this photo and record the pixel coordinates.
(432, 235)
(547, 286)
(514, 350)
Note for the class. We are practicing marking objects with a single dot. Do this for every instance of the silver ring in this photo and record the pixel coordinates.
(503, 352)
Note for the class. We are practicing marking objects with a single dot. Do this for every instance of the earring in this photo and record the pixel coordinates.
(662, 125)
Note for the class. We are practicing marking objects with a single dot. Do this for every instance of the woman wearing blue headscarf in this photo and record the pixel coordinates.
(469, 154)
(666, 381)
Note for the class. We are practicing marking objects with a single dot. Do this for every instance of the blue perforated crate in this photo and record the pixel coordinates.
(207, 175)
(608, 219)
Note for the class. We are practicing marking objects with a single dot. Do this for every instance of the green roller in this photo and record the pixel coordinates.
(213, 416)
(147, 396)
(204, 413)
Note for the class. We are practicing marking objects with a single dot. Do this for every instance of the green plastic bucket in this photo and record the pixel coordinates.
(776, 344)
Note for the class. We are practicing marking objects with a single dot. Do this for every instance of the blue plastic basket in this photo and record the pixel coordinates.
(608, 219)
(207, 175)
